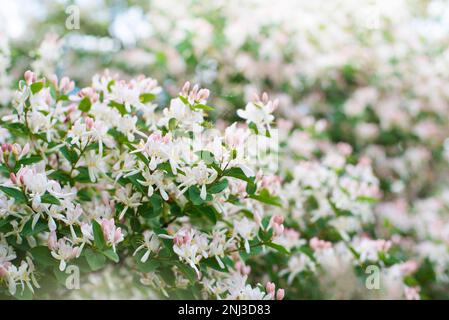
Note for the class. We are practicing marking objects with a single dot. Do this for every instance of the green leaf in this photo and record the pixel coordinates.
(41, 255)
(61, 176)
(204, 107)
(265, 235)
(239, 174)
(111, 255)
(4, 170)
(213, 263)
(48, 198)
(98, 235)
(60, 276)
(210, 213)
(194, 196)
(184, 100)
(218, 187)
(156, 203)
(148, 266)
(207, 156)
(36, 87)
(17, 129)
(118, 136)
(70, 155)
(147, 97)
(29, 160)
(38, 228)
(253, 127)
(265, 197)
(277, 247)
(24, 294)
(119, 106)
(85, 105)
(172, 124)
(188, 272)
(14, 193)
(83, 175)
(95, 260)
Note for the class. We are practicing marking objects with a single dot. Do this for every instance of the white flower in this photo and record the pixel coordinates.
(199, 175)
(65, 251)
(246, 229)
(258, 113)
(154, 179)
(298, 263)
(95, 163)
(151, 243)
(129, 198)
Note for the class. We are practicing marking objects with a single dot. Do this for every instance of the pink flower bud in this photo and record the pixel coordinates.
(89, 123)
(185, 88)
(278, 229)
(271, 287)
(203, 95)
(246, 270)
(30, 77)
(13, 177)
(278, 219)
(3, 272)
(280, 294)
(4, 269)
(238, 266)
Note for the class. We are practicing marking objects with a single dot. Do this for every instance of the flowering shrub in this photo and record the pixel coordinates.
(150, 196)
(103, 177)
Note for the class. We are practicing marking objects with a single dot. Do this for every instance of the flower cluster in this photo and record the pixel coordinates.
(103, 175)
(349, 177)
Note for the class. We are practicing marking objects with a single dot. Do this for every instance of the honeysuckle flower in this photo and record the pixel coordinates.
(199, 175)
(369, 249)
(190, 245)
(246, 229)
(64, 251)
(297, 264)
(259, 113)
(156, 148)
(150, 243)
(154, 181)
(99, 133)
(128, 198)
(109, 149)
(111, 233)
(95, 164)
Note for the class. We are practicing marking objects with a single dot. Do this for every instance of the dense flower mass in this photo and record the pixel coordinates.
(333, 184)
